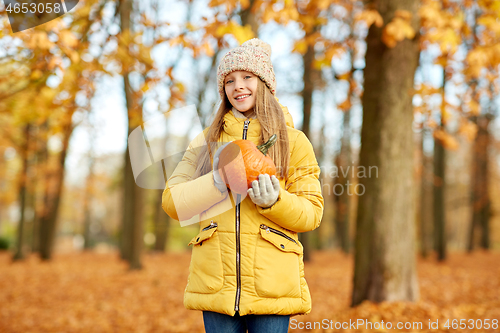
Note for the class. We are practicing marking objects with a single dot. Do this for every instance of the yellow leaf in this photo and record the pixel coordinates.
(457, 21)
(474, 107)
(441, 60)
(323, 4)
(244, 4)
(446, 139)
(209, 51)
(293, 14)
(242, 34)
(308, 22)
(169, 72)
(370, 17)
(54, 61)
(268, 15)
(397, 30)
(74, 56)
(321, 63)
(430, 14)
(300, 46)
(47, 94)
(36, 74)
(432, 123)
(448, 40)
(176, 40)
(68, 38)
(404, 14)
(490, 23)
(344, 76)
(345, 105)
(468, 129)
(39, 39)
(333, 51)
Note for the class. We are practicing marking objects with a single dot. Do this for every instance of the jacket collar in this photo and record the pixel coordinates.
(233, 125)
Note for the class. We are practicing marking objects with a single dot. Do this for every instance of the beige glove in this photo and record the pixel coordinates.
(219, 183)
(264, 192)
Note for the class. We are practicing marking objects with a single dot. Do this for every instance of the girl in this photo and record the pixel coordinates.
(246, 268)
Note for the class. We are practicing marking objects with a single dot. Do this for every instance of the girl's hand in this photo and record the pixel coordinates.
(265, 191)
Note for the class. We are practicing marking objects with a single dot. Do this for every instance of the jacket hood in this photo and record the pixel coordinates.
(288, 116)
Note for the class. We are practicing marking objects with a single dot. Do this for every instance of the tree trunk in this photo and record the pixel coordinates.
(307, 93)
(342, 198)
(439, 185)
(385, 268)
(87, 211)
(41, 176)
(481, 203)
(438, 201)
(162, 224)
(425, 202)
(19, 255)
(248, 17)
(53, 195)
(132, 230)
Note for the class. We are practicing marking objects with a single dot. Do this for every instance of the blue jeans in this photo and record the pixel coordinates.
(222, 323)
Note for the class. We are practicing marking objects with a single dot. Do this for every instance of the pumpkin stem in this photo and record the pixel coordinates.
(265, 146)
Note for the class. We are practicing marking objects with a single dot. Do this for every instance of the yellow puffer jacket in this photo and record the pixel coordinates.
(246, 258)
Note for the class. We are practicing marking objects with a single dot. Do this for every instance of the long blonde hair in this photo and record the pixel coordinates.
(272, 121)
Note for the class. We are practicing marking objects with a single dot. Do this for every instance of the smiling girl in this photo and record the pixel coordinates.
(247, 270)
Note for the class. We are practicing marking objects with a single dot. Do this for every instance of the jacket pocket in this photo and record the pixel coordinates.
(205, 270)
(277, 269)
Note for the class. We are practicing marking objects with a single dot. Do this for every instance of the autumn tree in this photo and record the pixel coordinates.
(132, 229)
(483, 43)
(385, 233)
(344, 159)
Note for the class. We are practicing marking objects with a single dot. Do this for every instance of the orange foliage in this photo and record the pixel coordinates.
(398, 29)
(90, 292)
(370, 16)
(446, 139)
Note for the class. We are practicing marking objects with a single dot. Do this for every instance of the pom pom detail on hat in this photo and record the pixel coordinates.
(254, 56)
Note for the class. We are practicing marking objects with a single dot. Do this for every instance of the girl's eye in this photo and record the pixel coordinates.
(248, 76)
(229, 81)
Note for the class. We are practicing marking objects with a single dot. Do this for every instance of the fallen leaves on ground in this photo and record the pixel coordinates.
(91, 292)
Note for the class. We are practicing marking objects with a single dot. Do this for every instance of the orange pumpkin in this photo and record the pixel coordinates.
(242, 161)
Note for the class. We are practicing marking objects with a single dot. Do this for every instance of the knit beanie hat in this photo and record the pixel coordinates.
(253, 56)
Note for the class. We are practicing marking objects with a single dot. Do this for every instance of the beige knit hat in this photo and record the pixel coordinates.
(253, 56)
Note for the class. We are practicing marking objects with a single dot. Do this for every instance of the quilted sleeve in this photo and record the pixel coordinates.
(185, 197)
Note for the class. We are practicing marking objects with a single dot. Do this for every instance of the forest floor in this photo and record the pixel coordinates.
(92, 292)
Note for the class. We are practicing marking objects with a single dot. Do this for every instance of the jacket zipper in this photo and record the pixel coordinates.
(238, 254)
(269, 229)
(211, 226)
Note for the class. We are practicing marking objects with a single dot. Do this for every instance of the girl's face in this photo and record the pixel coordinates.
(241, 89)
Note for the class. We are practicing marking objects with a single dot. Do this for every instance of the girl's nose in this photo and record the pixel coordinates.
(238, 84)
